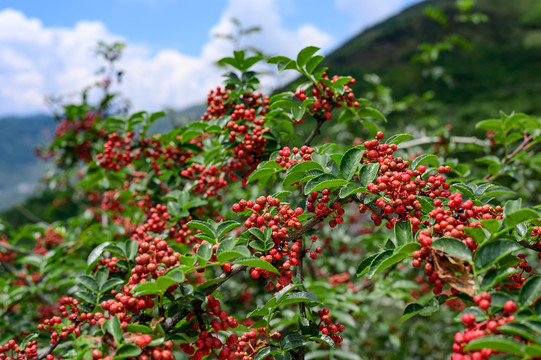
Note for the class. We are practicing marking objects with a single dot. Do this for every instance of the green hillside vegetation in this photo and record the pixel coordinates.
(501, 70)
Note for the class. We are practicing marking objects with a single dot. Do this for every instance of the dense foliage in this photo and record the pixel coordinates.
(255, 234)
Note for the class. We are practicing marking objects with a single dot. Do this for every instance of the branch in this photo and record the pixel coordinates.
(434, 139)
(316, 131)
(15, 249)
(529, 245)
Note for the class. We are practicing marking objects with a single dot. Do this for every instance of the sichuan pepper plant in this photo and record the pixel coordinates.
(242, 236)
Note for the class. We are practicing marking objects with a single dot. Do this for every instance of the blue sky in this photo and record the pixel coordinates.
(46, 46)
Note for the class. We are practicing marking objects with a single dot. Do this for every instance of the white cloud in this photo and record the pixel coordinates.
(364, 13)
(36, 60)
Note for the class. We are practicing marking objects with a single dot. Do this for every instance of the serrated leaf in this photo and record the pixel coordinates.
(498, 343)
(364, 265)
(519, 216)
(398, 138)
(89, 283)
(113, 327)
(305, 55)
(350, 189)
(109, 284)
(204, 251)
(454, 247)
(490, 253)
(87, 297)
(403, 232)
(96, 253)
(350, 162)
(368, 173)
(292, 341)
(493, 277)
(127, 350)
(256, 262)
(530, 291)
(430, 159)
(225, 227)
(368, 111)
(266, 352)
(325, 339)
(323, 181)
(377, 261)
(204, 227)
(298, 297)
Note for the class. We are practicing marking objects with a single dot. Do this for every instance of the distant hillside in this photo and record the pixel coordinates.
(502, 71)
(20, 169)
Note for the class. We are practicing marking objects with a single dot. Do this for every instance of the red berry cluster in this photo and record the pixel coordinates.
(450, 221)
(536, 232)
(281, 222)
(285, 159)
(518, 278)
(476, 329)
(398, 186)
(320, 207)
(327, 327)
(325, 99)
(12, 351)
(6, 256)
(68, 309)
(208, 342)
(160, 352)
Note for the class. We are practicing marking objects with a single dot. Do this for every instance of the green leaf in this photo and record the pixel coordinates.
(113, 327)
(292, 341)
(298, 297)
(257, 233)
(146, 288)
(266, 352)
(430, 159)
(227, 255)
(493, 277)
(255, 262)
(491, 124)
(87, 297)
(370, 112)
(464, 189)
(96, 253)
(131, 248)
(403, 232)
(313, 63)
(398, 138)
(374, 266)
(364, 265)
(530, 291)
(350, 189)
(520, 216)
(261, 174)
(204, 227)
(225, 227)
(204, 251)
(350, 162)
(145, 329)
(325, 339)
(454, 247)
(368, 173)
(109, 284)
(305, 55)
(397, 256)
(490, 253)
(89, 283)
(127, 350)
(427, 309)
(323, 181)
(164, 282)
(497, 343)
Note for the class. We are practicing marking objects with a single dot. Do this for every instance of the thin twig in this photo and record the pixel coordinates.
(316, 131)
(529, 245)
(15, 249)
(434, 139)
